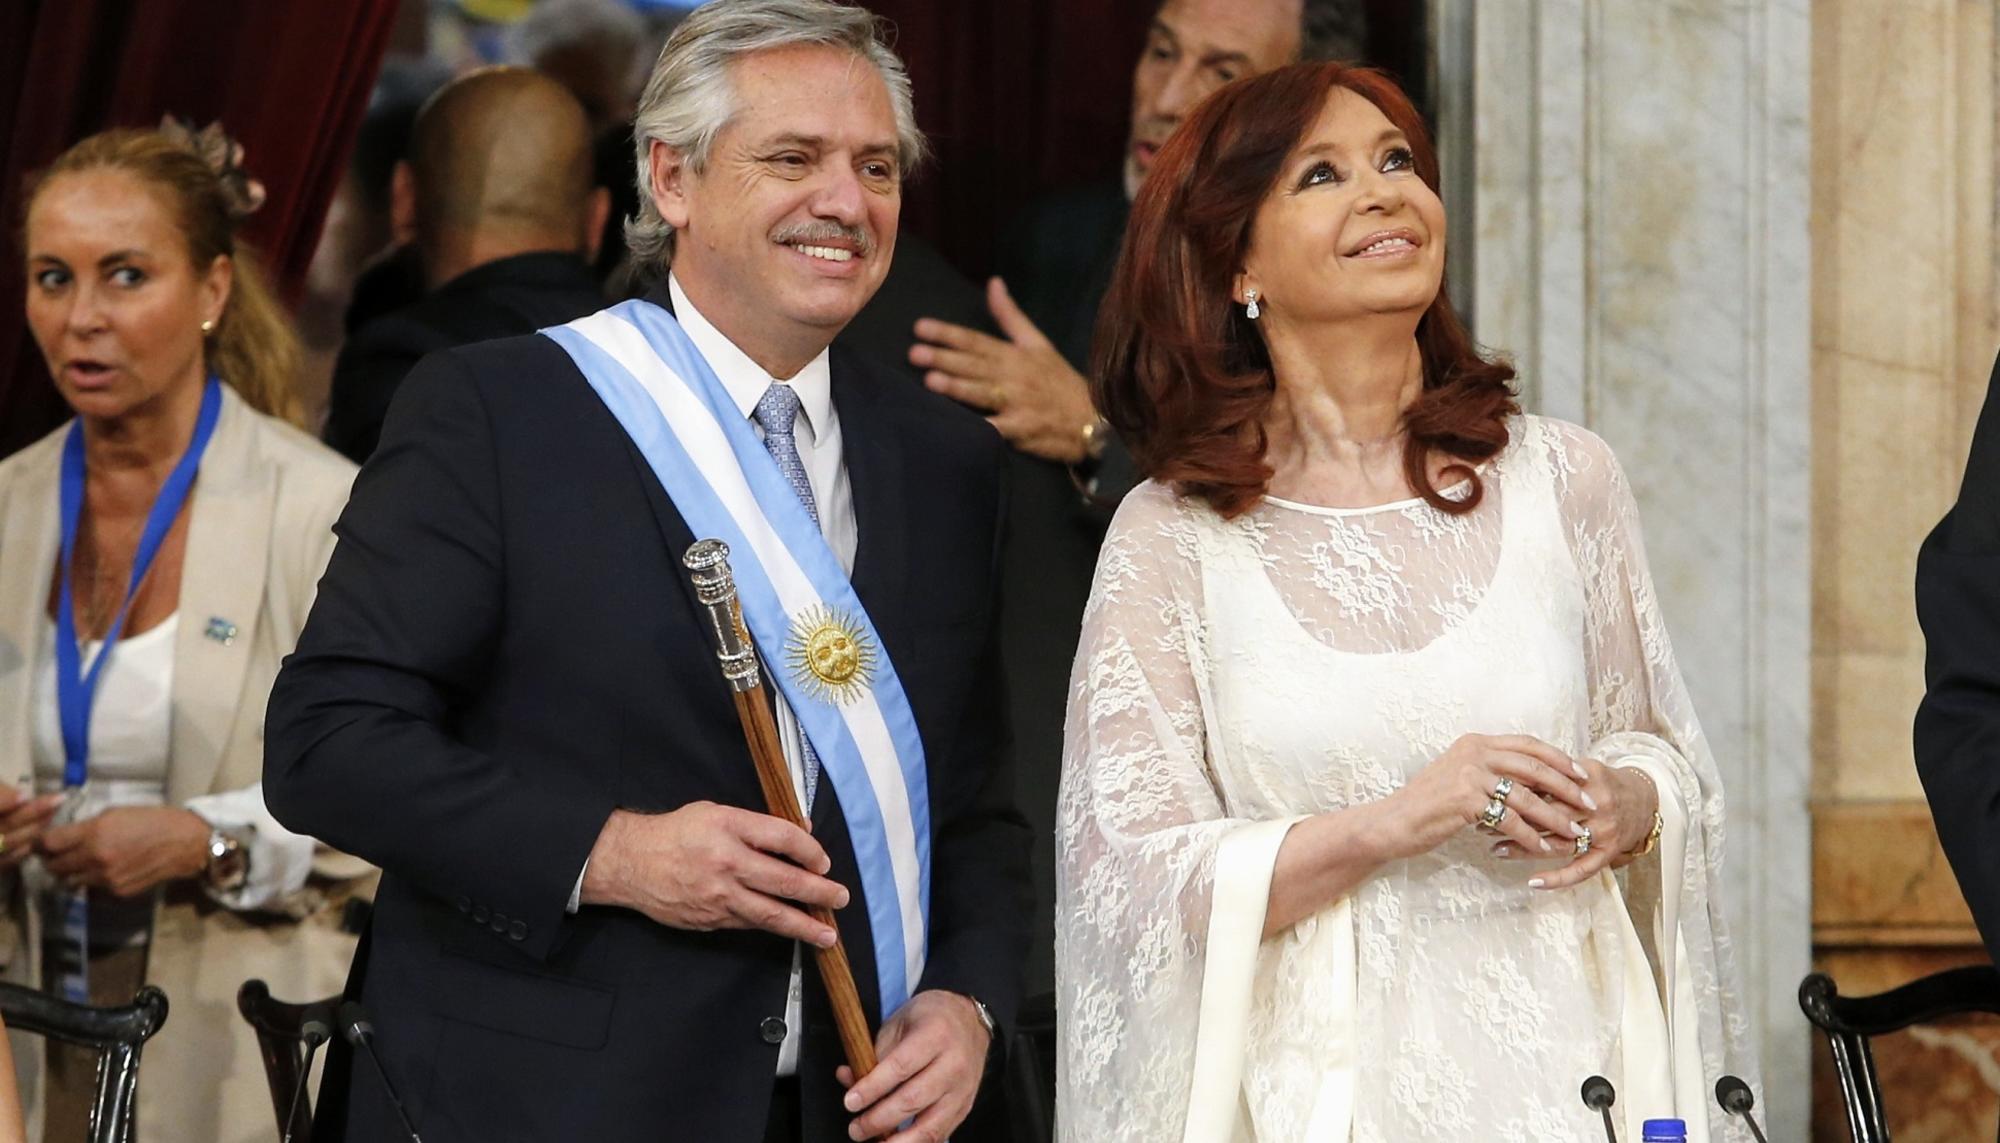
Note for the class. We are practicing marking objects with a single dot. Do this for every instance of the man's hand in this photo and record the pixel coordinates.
(1031, 394)
(707, 867)
(127, 850)
(931, 1057)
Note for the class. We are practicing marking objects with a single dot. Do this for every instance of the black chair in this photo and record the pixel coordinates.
(118, 1033)
(1849, 1021)
(1031, 1071)
(281, 1042)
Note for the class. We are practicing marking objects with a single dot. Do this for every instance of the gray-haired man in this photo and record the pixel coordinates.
(588, 928)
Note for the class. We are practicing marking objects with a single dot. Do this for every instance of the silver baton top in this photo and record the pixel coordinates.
(707, 563)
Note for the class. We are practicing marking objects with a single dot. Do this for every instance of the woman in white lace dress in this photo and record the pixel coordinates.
(1381, 785)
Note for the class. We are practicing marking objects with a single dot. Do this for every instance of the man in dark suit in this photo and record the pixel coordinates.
(505, 697)
(497, 200)
(1067, 472)
(1958, 723)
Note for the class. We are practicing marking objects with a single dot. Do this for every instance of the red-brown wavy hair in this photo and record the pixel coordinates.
(1180, 372)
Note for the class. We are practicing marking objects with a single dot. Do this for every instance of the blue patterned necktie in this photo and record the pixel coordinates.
(778, 412)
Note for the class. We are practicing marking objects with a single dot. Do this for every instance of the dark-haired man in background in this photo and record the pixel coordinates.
(497, 198)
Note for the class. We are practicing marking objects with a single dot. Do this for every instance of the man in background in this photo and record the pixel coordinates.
(1958, 724)
(498, 199)
(1067, 471)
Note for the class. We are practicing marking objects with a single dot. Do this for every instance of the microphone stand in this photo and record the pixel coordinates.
(715, 586)
(314, 1031)
(1735, 1097)
(1598, 1096)
(354, 1026)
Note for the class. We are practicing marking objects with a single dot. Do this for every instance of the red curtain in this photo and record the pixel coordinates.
(289, 81)
(1017, 97)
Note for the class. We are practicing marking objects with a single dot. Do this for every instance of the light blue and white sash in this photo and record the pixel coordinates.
(727, 487)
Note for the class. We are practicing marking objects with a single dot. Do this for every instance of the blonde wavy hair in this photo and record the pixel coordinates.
(254, 348)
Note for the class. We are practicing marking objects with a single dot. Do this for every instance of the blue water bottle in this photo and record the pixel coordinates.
(1663, 1131)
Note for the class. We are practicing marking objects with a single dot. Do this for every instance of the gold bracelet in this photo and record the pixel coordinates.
(1652, 841)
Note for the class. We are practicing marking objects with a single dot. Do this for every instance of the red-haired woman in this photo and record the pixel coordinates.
(1373, 693)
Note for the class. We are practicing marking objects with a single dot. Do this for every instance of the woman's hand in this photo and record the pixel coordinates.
(1452, 792)
(22, 820)
(1626, 802)
(128, 850)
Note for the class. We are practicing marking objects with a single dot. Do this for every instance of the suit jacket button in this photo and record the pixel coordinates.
(772, 1029)
(518, 930)
(464, 903)
(499, 921)
(479, 914)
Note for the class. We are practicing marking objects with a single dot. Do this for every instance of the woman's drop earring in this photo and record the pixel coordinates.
(1251, 311)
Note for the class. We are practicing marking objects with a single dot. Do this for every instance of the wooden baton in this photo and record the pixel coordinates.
(707, 563)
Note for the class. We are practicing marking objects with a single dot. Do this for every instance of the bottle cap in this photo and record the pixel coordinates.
(1663, 1131)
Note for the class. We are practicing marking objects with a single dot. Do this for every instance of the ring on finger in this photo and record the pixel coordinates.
(996, 397)
(1496, 810)
(1582, 840)
(1502, 788)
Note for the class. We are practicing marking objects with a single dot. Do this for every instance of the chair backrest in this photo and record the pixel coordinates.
(281, 1043)
(1031, 1071)
(1849, 1021)
(118, 1033)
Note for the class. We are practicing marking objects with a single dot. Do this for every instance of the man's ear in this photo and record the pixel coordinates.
(403, 204)
(670, 178)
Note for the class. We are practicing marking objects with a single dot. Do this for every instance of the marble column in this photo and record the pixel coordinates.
(1639, 245)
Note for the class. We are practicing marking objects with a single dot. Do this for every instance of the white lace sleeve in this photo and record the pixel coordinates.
(1641, 714)
(1139, 825)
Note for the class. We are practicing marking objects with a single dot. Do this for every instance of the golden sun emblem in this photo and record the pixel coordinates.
(830, 655)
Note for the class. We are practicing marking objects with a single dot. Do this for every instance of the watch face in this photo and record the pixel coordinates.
(228, 862)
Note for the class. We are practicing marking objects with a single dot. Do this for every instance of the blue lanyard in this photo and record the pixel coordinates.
(75, 688)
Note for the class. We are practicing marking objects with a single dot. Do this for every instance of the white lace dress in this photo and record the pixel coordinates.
(1237, 675)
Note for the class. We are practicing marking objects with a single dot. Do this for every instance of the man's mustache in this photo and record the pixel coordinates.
(821, 233)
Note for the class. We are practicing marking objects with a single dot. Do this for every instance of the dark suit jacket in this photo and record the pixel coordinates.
(1958, 723)
(504, 298)
(1057, 259)
(1057, 265)
(505, 649)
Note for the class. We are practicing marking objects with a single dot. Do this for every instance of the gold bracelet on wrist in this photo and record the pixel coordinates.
(1652, 841)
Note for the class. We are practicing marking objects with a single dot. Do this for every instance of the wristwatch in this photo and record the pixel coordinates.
(228, 867)
(986, 1019)
(1096, 435)
(1096, 438)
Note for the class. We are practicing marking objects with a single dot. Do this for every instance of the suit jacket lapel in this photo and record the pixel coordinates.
(28, 544)
(222, 600)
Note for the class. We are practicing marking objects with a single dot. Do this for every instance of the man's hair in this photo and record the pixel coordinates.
(501, 148)
(1334, 30)
(689, 98)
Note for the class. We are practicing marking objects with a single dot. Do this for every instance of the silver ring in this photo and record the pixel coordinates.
(1496, 809)
(1502, 788)
(1582, 840)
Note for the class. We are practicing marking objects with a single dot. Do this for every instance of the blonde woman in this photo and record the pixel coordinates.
(158, 555)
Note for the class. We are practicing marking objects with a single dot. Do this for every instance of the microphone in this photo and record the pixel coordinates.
(1735, 1097)
(315, 1029)
(356, 1029)
(1598, 1096)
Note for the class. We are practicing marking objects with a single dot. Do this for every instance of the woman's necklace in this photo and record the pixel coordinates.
(100, 581)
